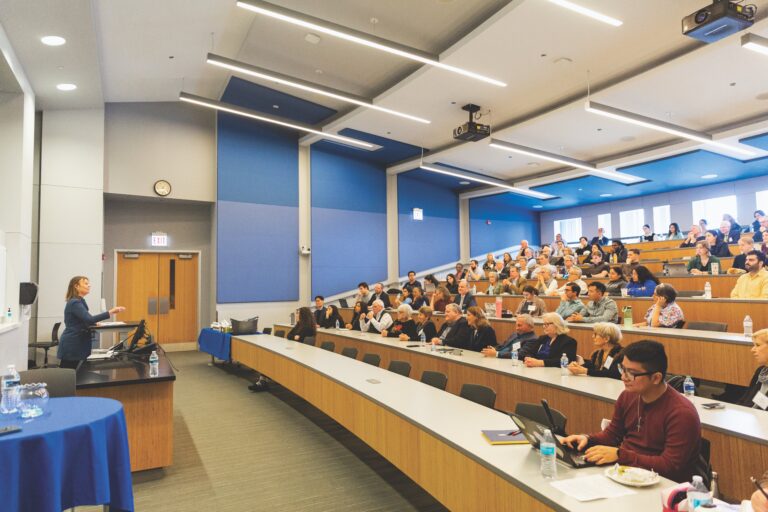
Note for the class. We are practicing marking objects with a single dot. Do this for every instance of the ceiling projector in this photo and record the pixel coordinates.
(719, 20)
(471, 130)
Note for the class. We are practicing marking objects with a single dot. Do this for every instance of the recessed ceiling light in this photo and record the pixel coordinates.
(587, 12)
(275, 106)
(312, 38)
(537, 206)
(53, 40)
(463, 183)
(709, 176)
(581, 189)
(606, 195)
(66, 87)
(755, 43)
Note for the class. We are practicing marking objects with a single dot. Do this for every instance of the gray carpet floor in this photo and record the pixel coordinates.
(240, 451)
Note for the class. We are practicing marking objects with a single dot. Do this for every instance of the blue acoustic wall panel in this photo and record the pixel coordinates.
(433, 241)
(349, 222)
(509, 223)
(257, 216)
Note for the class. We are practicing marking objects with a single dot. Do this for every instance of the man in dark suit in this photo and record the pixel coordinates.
(518, 341)
(379, 294)
(600, 239)
(464, 299)
(455, 332)
(319, 312)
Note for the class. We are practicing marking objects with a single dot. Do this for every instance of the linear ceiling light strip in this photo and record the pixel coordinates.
(297, 83)
(354, 36)
(486, 181)
(587, 12)
(240, 111)
(755, 43)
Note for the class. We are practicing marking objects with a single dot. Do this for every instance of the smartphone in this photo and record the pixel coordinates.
(713, 405)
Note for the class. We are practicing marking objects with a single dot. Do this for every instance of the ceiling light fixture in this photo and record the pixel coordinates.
(463, 183)
(297, 83)
(588, 12)
(240, 111)
(606, 195)
(354, 36)
(53, 40)
(755, 43)
(66, 87)
(486, 181)
(662, 126)
(709, 176)
(537, 206)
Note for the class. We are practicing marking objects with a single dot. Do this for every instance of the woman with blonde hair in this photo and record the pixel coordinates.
(603, 362)
(549, 348)
(483, 335)
(757, 394)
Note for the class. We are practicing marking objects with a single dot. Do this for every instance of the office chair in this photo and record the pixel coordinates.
(47, 345)
(707, 326)
(280, 333)
(689, 293)
(60, 381)
(373, 359)
(267, 330)
(349, 352)
(309, 340)
(479, 394)
(400, 367)
(536, 413)
(328, 345)
(435, 379)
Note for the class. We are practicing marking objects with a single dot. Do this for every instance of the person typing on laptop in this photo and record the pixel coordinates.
(653, 426)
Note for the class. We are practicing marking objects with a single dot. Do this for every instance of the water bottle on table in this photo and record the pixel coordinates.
(422, 338)
(514, 355)
(154, 364)
(707, 290)
(547, 453)
(337, 325)
(564, 365)
(748, 326)
(9, 404)
(689, 388)
(698, 494)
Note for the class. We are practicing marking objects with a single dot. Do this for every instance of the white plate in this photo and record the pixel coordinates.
(611, 473)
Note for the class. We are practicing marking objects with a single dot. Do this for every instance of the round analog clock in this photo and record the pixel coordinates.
(162, 188)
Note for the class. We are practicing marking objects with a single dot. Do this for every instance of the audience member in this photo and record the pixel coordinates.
(558, 250)
(404, 297)
(575, 278)
(727, 234)
(305, 326)
(412, 282)
(417, 298)
(431, 284)
(694, 235)
(674, 232)
(523, 335)
(474, 273)
(569, 262)
(523, 247)
(756, 224)
(703, 226)
(734, 233)
(332, 318)
(599, 309)
(404, 325)
(762, 234)
(545, 283)
(507, 260)
(665, 312)
(529, 257)
(583, 249)
(570, 303)
(515, 283)
(376, 320)
(319, 312)
(633, 260)
(702, 262)
(756, 395)
(550, 347)
(596, 249)
(464, 298)
(717, 246)
(643, 282)
(424, 326)
(380, 294)
(753, 284)
(746, 245)
(619, 254)
(451, 283)
(455, 330)
(598, 268)
(461, 273)
(482, 334)
(542, 261)
(522, 266)
(494, 286)
(616, 281)
(604, 362)
(501, 271)
(363, 292)
(653, 426)
(600, 239)
(358, 313)
(531, 303)
(490, 262)
(440, 299)
(647, 234)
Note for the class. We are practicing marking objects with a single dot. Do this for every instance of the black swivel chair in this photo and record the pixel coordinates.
(328, 345)
(280, 333)
(435, 379)
(400, 367)
(536, 413)
(309, 340)
(479, 394)
(708, 326)
(47, 345)
(349, 352)
(60, 381)
(373, 359)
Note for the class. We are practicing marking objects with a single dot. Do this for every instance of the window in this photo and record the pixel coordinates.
(761, 200)
(569, 228)
(712, 210)
(604, 221)
(661, 219)
(631, 223)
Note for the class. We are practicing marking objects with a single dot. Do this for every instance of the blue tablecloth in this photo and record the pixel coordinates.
(215, 343)
(74, 455)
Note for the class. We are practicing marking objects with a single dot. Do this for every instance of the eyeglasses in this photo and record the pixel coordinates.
(759, 483)
(547, 324)
(630, 375)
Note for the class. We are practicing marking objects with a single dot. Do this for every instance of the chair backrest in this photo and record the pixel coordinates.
(690, 293)
(536, 413)
(280, 333)
(435, 379)
(479, 394)
(328, 345)
(707, 326)
(309, 340)
(60, 381)
(349, 352)
(374, 359)
(679, 324)
(400, 367)
(676, 382)
(267, 330)
(55, 334)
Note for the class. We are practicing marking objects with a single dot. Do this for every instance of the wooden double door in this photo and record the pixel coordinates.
(161, 288)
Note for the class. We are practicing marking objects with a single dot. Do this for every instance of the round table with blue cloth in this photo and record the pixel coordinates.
(75, 454)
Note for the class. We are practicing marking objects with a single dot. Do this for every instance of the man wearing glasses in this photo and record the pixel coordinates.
(653, 426)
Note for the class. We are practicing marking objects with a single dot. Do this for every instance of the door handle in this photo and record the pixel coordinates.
(152, 306)
(164, 305)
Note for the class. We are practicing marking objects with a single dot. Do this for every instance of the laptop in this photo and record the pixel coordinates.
(343, 303)
(534, 433)
(677, 269)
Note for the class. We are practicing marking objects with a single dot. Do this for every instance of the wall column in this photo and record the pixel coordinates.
(305, 224)
(464, 230)
(393, 249)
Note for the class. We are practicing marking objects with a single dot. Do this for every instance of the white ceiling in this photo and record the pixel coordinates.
(119, 51)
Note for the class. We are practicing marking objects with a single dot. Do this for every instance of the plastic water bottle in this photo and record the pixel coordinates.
(9, 404)
(154, 364)
(707, 290)
(748, 326)
(564, 365)
(689, 388)
(547, 453)
(337, 324)
(474, 289)
(698, 494)
(422, 338)
(515, 361)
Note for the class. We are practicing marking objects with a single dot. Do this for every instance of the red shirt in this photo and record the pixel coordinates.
(668, 438)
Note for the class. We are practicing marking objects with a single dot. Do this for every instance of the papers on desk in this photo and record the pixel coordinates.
(589, 488)
(109, 324)
(506, 436)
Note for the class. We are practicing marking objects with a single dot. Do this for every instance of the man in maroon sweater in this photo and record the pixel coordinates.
(653, 426)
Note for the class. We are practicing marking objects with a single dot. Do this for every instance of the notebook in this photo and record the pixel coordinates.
(504, 437)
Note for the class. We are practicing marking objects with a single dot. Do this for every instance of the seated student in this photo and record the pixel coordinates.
(431, 284)
(583, 249)
(559, 252)
(717, 246)
(642, 283)
(404, 325)
(694, 235)
(600, 239)
(616, 281)
(730, 231)
(746, 245)
(501, 271)
(619, 254)
(523, 247)
(653, 426)
(545, 283)
(550, 347)
(599, 249)
(440, 299)
(760, 232)
(360, 311)
(604, 362)
(379, 294)
(451, 283)
(523, 335)
(570, 303)
(702, 262)
(599, 309)
(575, 278)
(424, 325)
(482, 334)
(494, 286)
(756, 224)
(703, 226)
(461, 273)
(665, 312)
(674, 232)
(647, 234)
(332, 318)
(569, 262)
(633, 260)
(598, 268)
(305, 326)
(364, 293)
(418, 299)
(464, 298)
(507, 259)
(541, 261)
(455, 331)
(474, 273)
(376, 320)
(531, 303)
(757, 393)
(404, 297)
(753, 284)
(515, 283)
(489, 263)
(319, 312)
(412, 282)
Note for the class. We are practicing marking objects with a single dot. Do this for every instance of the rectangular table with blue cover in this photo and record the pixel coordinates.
(215, 343)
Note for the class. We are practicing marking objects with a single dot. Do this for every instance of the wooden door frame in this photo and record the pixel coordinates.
(117, 252)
